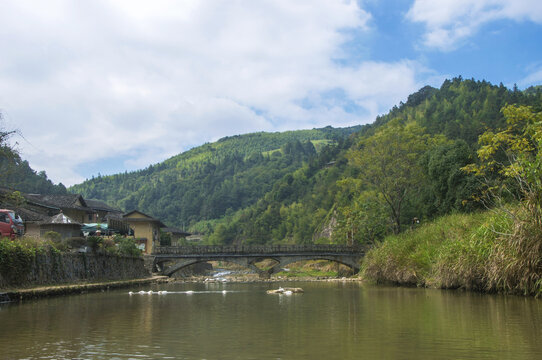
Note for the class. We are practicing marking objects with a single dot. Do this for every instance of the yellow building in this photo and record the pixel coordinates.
(146, 229)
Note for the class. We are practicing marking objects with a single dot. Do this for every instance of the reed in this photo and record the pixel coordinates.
(493, 251)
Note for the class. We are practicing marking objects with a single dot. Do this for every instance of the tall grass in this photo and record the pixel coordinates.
(494, 251)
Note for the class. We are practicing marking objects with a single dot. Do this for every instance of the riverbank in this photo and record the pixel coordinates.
(21, 294)
(497, 251)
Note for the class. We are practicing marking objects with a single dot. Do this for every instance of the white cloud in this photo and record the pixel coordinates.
(533, 78)
(449, 22)
(89, 80)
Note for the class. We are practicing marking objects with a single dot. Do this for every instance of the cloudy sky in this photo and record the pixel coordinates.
(103, 86)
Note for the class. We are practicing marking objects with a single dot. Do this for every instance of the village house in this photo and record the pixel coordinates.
(62, 224)
(109, 215)
(66, 214)
(32, 220)
(72, 205)
(176, 235)
(146, 229)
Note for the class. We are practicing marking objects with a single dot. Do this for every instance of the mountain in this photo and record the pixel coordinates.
(16, 173)
(327, 196)
(211, 180)
(302, 186)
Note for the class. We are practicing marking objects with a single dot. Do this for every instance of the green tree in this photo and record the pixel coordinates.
(449, 188)
(363, 220)
(7, 152)
(389, 161)
(515, 153)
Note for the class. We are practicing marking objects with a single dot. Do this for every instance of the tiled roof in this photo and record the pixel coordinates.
(175, 231)
(60, 219)
(28, 215)
(60, 201)
(100, 205)
(147, 218)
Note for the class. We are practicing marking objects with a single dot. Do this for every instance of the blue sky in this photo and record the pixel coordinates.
(104, 87)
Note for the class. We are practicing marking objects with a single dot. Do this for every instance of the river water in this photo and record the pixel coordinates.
(331, 320)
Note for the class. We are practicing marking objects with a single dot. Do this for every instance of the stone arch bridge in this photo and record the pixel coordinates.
(169, 259)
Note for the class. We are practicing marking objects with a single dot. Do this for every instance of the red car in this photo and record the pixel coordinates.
(11, 224)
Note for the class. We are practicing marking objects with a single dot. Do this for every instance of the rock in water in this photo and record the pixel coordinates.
(286, 291)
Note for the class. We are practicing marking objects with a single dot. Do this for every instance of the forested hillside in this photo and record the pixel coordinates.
(326, 185)
(16, 173)
(213, 179)
(404, 167)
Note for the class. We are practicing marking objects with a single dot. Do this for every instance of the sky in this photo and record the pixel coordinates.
(102, 87)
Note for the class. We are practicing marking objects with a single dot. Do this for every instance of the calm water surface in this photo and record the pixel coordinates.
(240, 321)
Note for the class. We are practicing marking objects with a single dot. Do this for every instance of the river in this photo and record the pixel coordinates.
(331, 320)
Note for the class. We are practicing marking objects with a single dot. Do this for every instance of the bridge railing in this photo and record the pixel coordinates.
(256, 249)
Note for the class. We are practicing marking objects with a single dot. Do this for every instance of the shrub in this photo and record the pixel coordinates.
(52, 236)
(128, 247)
(15, 260)
(76, 242)
(95, 242)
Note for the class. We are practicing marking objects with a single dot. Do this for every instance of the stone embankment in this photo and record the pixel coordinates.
(61, 268)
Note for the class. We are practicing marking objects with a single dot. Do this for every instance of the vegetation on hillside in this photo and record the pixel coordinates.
(407, 166)
(215, 179)
(356, 185)
(460, 149)
(498, 250)
(16, 173)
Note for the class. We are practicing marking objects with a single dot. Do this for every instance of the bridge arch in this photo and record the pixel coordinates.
(286, 261)
(247, 263)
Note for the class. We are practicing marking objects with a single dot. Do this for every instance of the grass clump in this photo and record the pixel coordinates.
(316, 268)
(493, 251)
(410, 257)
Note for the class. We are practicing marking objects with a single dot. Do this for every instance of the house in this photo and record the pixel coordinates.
(62, 224)
(101, 210)
(176, 235)
(72, 205)
(146, 229)
(110, 215)
(32, 221)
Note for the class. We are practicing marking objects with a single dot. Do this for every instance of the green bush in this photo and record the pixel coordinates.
(76, 242)
(52, 236)
(494, 251)
(128, 247)
(15, 260)
(95, 242)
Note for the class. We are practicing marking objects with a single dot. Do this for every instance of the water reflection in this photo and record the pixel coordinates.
(231, 321)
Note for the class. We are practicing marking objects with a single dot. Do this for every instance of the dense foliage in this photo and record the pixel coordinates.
(15, 260)
(212, 180)
(499, 250)
(16, 173)
(404, 168)
(327, 185)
